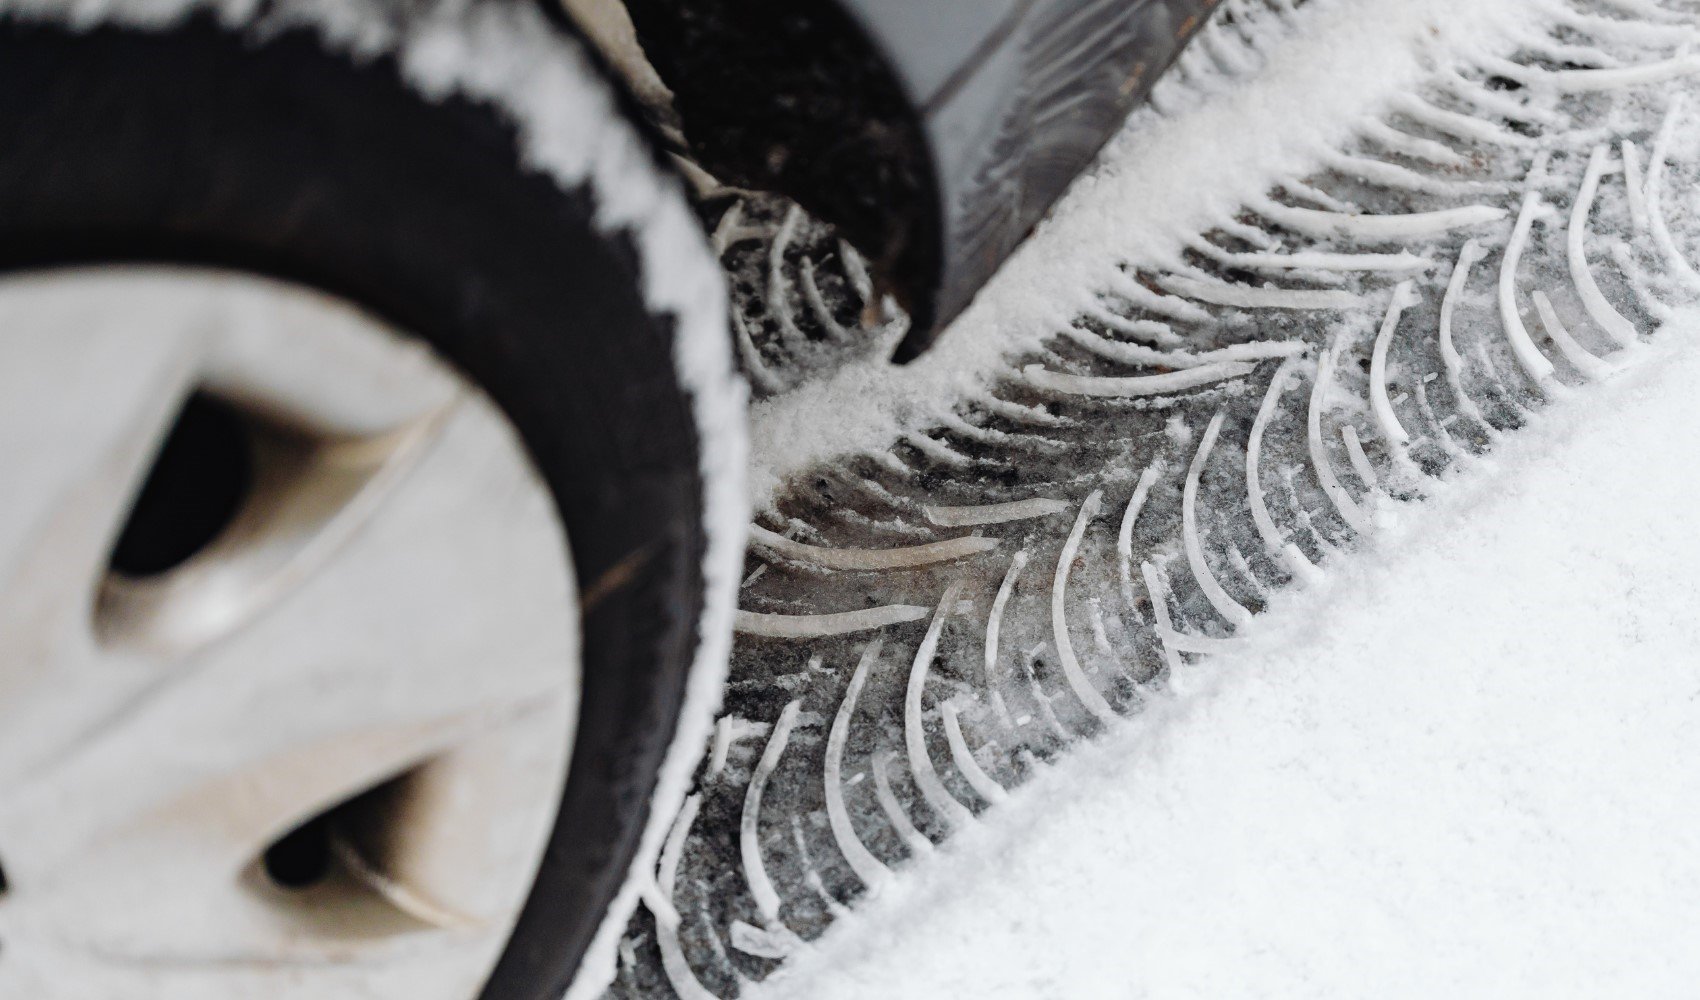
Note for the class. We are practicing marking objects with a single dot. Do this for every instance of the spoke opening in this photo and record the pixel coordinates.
(238, 503)
(382, 852)
(303, 857)
(318, 876)
(345, 839)
(199, 481)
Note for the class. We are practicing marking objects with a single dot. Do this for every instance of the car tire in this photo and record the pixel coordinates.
(464, 173)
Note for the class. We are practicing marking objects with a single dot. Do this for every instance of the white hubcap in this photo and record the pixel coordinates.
(388, 603)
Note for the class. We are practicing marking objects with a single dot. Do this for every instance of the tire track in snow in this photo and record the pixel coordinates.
(1214, 426)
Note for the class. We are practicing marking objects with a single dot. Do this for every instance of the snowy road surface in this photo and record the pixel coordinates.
(1280, 581)
(1474, 774)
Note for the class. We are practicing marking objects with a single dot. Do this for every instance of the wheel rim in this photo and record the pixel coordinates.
(300, 731)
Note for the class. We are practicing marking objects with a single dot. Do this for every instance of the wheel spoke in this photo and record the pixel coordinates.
(87, 395)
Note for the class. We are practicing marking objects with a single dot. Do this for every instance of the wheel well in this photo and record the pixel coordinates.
(790, 97)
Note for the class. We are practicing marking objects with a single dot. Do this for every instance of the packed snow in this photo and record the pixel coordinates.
(1471, 770)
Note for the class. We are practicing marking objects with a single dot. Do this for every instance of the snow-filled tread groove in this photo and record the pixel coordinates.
(926, 628)
(802, 299)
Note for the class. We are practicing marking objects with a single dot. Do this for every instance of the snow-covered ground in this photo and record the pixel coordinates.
(1475, 775)
(1276, 584)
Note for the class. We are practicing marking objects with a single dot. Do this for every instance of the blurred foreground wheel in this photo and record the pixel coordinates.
(366, 421)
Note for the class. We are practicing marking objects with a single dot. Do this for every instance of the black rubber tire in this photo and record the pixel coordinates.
(273, 155)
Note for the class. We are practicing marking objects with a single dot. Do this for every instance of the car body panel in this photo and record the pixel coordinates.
(1011, 130)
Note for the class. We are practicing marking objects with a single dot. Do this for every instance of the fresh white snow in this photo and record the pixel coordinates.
(1466, 764)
